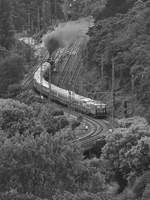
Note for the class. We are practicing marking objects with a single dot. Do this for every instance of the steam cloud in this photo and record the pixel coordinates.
(64, 35)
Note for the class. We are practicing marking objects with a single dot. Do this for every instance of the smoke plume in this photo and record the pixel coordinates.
(64, 35)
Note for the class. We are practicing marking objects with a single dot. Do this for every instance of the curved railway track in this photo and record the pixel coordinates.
(28, 80)
(99, 129)
(96, 131)
(96, 127)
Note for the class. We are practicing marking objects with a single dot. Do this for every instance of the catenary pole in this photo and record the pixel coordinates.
(40, 80)
(113, 93)
(132, 88)
(49, 81)
(102, 70)
(55, 12)
(38, 20)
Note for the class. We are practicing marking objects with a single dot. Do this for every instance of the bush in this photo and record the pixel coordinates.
(80, 118)
(57, 112)
(25, 51)
(52, 119)
(17, 196)
(63, 122)
(18, 118)
(96, 149)
(29, 97)
(12, 72)
(126, 153)
(75, 124)
(14, 90)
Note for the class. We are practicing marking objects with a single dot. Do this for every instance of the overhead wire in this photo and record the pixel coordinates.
(53, 23)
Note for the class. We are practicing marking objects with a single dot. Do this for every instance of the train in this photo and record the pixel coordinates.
(77, 102)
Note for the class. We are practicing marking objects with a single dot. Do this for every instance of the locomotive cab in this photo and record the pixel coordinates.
(101, 110)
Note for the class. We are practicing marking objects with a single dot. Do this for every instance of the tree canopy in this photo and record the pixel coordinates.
(6, 26)
(12, 71)
(125, 38)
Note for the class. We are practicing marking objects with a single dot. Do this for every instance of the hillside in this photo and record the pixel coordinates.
(125, 38)
(39, 157)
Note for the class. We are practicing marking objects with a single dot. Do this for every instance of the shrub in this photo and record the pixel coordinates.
(14, 90)
(16, 117)
(12, 72)
(63, 122)
(17, 196)
(57, 112)
(75, 124)
(25, 51)
(126, 153)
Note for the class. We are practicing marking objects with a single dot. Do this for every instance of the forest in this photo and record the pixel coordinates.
(38, 158)
(124, 36)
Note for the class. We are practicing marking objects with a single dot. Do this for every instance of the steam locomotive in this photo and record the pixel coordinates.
(66, 97)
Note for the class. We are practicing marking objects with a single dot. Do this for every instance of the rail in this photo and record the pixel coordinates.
(28, 80)
(73, 68)
(96, 127)
(76, 72)
(66, 65)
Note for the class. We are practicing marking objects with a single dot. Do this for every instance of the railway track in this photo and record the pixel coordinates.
(75, 66)
(76, 62)
(76, 72)
(76, 77)
(28, 80)
(69, 62)
(97, 133)
(96, 127)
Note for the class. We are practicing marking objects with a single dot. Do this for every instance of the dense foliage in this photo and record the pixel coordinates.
(6, 26)
(38, 160)
(77, 8)
(126, 156)
(35, 15)
(34, 162)
(113, 7)
(125, 38)
(12, 72)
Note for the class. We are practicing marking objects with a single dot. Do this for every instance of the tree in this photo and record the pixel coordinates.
(34, 15)
(49, 120)
(126, 153)
(115, 6)
(45, 165)
(19, 14)
(125, 37)
(78, 196)
(12, 72)
(14, 195)
(6, 28)
(18, 118)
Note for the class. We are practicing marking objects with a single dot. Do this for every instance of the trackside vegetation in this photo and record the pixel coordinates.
(39, 159)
